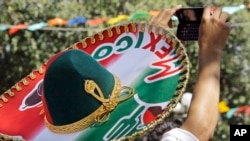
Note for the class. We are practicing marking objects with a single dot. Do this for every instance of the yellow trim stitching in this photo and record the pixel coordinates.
(92, 40)
(74, 46)
(157, 30)
(174, 42)
(25, 82)
(17, 87)
(164, 34)
(32, 76)
(126, 28)
(118, 30)
(179, 50)
(10, 93)
(100, 35)
(169, 40)
(133, 27)
(84, 44)
(142, 27)
(150, 28)
(40, 70)
(4, 99)
(110, 32)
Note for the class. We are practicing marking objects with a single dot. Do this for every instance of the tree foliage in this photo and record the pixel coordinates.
(25, 51)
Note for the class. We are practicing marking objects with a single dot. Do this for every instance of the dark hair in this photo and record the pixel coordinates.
(156, 134)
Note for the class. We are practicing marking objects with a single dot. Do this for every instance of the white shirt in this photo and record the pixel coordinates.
(178, 134)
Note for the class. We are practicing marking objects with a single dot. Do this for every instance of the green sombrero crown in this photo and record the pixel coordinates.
(78, 92)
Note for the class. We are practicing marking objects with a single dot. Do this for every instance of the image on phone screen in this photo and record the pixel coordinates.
(189, 22)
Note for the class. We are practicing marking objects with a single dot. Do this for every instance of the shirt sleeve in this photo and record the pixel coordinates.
(178, 134)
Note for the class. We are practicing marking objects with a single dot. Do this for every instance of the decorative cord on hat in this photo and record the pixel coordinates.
(108, 104)
(102, 113)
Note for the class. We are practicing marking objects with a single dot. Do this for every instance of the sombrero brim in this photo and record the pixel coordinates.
(148, 58)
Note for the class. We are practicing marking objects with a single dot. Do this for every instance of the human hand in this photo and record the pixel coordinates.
(163, 19)
(213, 34)
(214, 30)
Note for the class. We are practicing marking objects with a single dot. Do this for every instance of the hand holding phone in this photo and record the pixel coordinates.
(189, 22)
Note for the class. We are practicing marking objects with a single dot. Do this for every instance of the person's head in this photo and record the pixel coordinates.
(156, 134)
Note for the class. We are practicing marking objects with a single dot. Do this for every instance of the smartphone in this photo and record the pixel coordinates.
(189, 23)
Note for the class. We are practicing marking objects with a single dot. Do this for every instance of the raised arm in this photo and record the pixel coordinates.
(203, 112)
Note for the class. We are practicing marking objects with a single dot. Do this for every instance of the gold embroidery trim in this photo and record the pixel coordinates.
(110, 33)
(92, 40)
(134, 27)
(126, 28)
(100, 115)
(118, 30)
(101, 37)
(84, 44)
(32, 76)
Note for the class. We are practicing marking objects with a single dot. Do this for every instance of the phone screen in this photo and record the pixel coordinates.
(189, 22)
(189, 14)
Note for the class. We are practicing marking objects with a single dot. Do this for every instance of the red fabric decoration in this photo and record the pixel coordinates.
(15, 29)
(96, 22)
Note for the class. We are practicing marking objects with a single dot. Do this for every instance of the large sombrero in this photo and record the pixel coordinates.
(115, 85)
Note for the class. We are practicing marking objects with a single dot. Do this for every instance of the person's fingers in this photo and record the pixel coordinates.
(223, 16)
(166, 19)
(217, 12)
(168, 14)
(156, 19)
(152, 19)
(207, 12)
(163, 19)
(177, 7)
